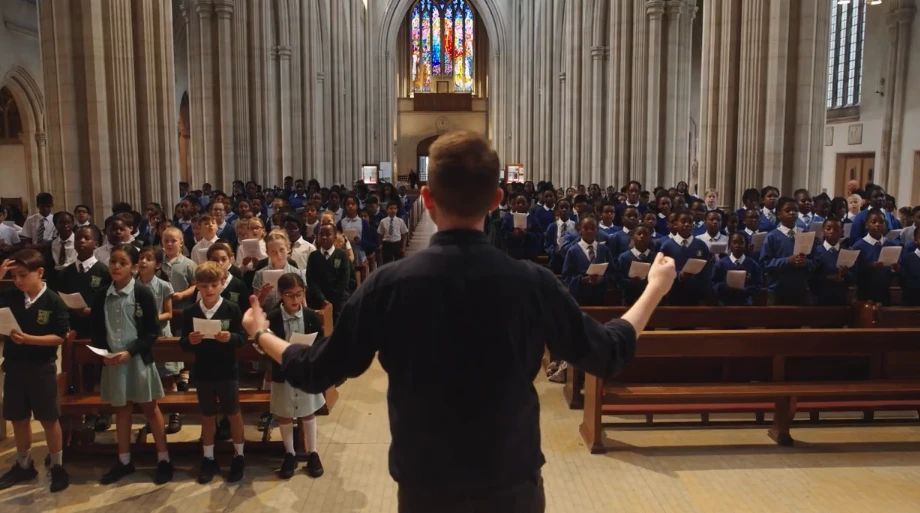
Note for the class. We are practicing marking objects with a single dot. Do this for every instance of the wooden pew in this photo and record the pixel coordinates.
(726, 317)
(870, 380)
(76, 402)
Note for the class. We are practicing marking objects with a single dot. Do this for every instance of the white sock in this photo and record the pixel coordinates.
(124, 458)
(310, 426)
(287, 436)
(163, 456)
(238, 449)
(208, 451)
(24, 458)
(57, 458)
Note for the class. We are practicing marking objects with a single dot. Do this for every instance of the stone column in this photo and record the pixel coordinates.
(241, 100)
(752, 93)
(653, 177)
(297, 144)
(598, 57)
(619, 99)
(225, 173)
(640, 77)
(283, 50)
(888, 169)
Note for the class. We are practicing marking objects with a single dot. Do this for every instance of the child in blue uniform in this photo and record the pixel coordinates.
(699, 217)
(641, 251)
(126, 322)
(787, 274)
(556, 232)
(910, 273)
(546, 213)
(587, 290)
(751, 201)
(806, 215)
(737, 260)
(664, 210)
(688, 289)
(876, 202)
(873, 280)
(621, 241)
(751, 218)
(522, 244)
(768, 217)
(608, 214)
(830, 283)
(713, 234)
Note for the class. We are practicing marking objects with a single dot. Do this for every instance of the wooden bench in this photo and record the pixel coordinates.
(75, 402)
(728, 317)
(792, 370)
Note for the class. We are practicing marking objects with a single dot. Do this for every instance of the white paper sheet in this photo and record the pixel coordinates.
(300, 338)
(101, 352)
(8, 322)
(520, 221)
(271, 276)
(250, 247)
(816, 226)
(804, 243)
(718, 248)
(847, 229)
(693, 266)
(639, 269)
(736, 279)
(847, 257)
(207, 327)
(74, 301)
(350, 234)
(757, 240)
(201, 255)
(819, 235)
(890, 255)
(893, 234)
(596, 269)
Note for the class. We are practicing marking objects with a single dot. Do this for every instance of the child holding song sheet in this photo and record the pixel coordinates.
(736, 278)
(878, 261)
(633, 265)
(586, 269)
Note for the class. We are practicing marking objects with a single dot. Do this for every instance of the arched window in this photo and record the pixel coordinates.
(845, 55)
(10, 122)
(442, 36)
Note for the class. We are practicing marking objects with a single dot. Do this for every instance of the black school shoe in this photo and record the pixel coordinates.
(174, 425)
(236, 469)
(164, 473)
(223, 430)
(209, 469)
(314, 466)
(103, 423)
(119, 471)
(288, 466)
(265, 422)
(59, 479)
(17, 475)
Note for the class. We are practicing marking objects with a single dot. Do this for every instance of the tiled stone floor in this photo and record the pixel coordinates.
(839, 469)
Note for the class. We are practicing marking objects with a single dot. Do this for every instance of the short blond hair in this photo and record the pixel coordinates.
(174, 231)
(857, 197)
(277, 235)
(210, 272)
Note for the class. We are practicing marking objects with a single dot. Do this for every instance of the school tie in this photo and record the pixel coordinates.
(328, 254)
(391, 231)
(833, 251)
(62, 255)
(807, 221)
(685, 243)
(792, 234)
(878, 243)
(40, 233)
(591, 254)
(641, 257)
(80, 268)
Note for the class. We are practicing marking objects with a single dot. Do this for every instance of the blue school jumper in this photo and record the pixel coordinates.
(826, 292)
(632, 289)
(609, 231)
(910, 278)
(740, 213)
(618, 219)
(661, 226)
(767, 225)
(229, 235)
(545, 217)
(695, 290)
(572, 238)
(859, 225)
(872, 284)
(698, 229)
(804, 223)
(749, 238)
(574, 269)
(526, 247)
(551, 243)
(787, 282)
(752, 283)
(620, 242)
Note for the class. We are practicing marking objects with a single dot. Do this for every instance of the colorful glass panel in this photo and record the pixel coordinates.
(458, 49)
(468, 48)
(416, 44)
(435, 40)
(449, 39)
(442, 43)
(425, 68)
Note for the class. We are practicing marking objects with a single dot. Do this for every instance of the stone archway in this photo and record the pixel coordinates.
(31, 105)
(185, 132)
(386, 56)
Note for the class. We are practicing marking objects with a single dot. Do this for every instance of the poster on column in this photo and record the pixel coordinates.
(385, 174)
(369, 174)
(514, 173)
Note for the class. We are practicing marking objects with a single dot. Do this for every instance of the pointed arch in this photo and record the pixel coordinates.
(31, 104)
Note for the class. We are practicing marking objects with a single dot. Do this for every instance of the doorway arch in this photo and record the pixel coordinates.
(29, 100)
(421, 156)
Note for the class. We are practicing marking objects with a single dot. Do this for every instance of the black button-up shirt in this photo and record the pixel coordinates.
(460, 330)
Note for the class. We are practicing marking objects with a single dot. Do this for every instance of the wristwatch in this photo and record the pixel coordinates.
(256, 336)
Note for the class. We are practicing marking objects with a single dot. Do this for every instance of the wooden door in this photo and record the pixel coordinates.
(856, 166)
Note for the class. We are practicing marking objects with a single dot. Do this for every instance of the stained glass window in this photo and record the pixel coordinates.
(441, 33)
(845, 58)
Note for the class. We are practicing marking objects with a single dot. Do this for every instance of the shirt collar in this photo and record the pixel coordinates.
(802, 216)
(636, 252)
(678, 239)
(662, 216)
(585, 245)
(226, 283)
(710, 238)
(917, 252)
(604, 227)
(30, 302)
(785, 231)
(88, 263)
(288, 317)
(459, 237)
(209, 312)
(127, 290)
(828, 247)
(737, 260)
(868, 238)
(626, 230)
(766, 211)
(748, 231)
(628, 204)
(68, 239)
(548, 209)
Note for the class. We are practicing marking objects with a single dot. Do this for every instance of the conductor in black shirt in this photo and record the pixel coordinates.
(460, 329)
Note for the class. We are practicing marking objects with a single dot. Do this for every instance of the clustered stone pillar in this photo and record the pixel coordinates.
(899, 19)
(762, 95)
(109, 84)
